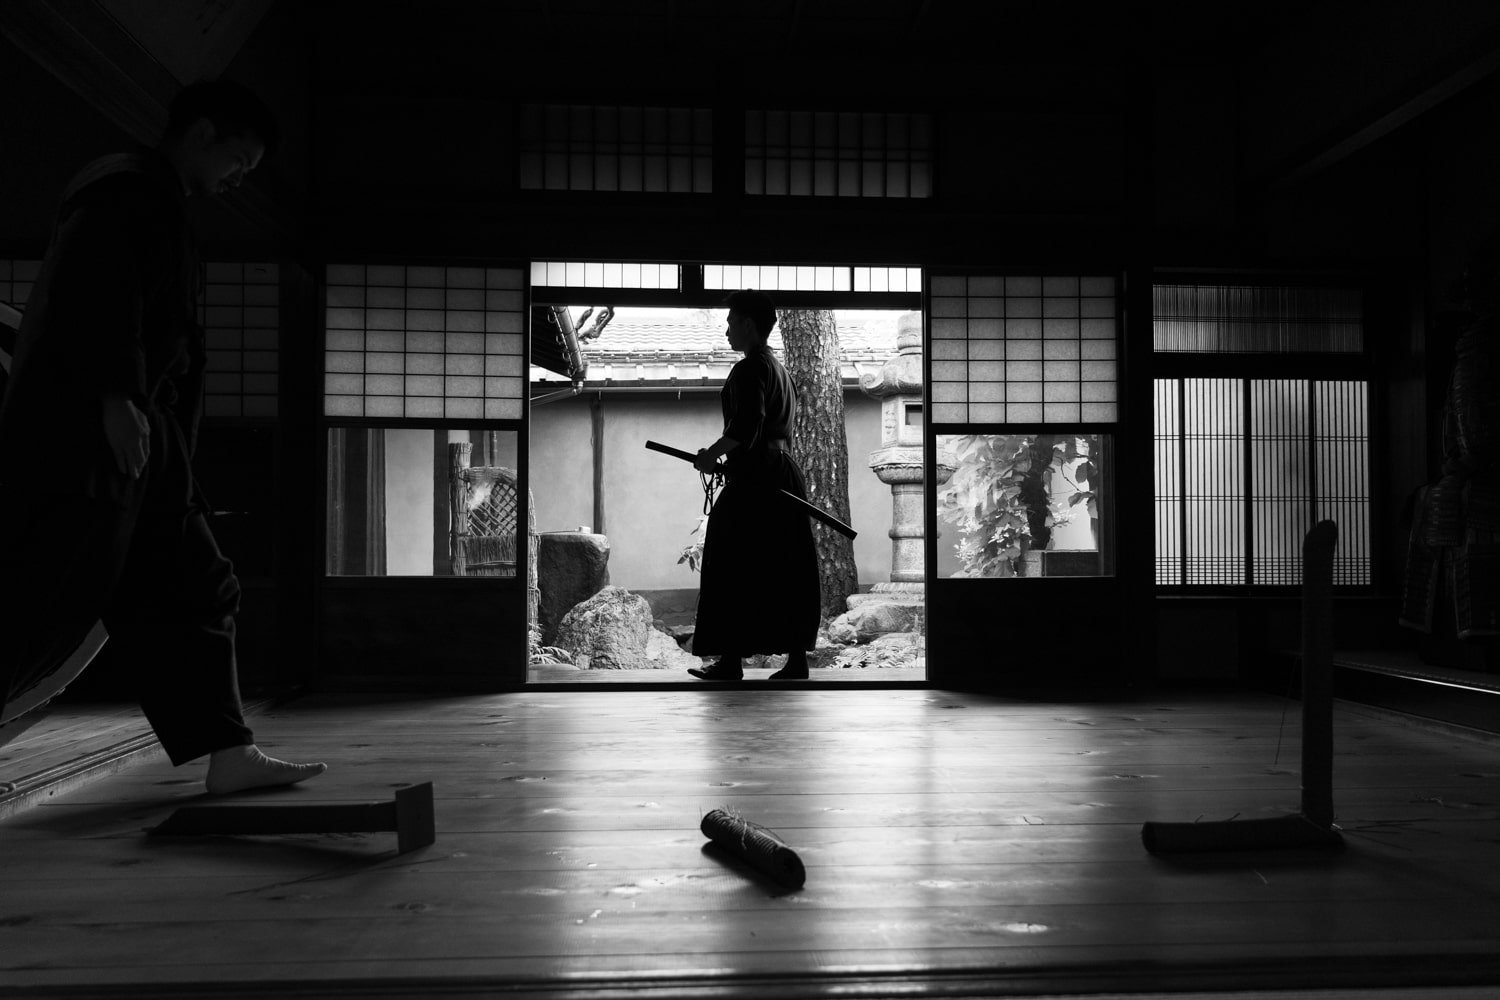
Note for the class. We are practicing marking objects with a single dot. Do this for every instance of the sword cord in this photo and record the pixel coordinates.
(711, 481)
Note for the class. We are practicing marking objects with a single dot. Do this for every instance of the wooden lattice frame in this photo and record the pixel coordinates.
(485, 508)
(492, 502)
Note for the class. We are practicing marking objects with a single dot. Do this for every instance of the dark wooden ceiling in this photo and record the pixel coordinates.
(1284, 88)
(878, 48)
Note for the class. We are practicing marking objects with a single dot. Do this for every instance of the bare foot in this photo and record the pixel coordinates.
(235, 769)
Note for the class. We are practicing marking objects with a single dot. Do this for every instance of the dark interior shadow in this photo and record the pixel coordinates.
(1282, 860)
(346, 853)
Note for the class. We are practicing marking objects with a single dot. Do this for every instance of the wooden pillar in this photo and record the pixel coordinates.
(596, 417)
(442, 565)
(458, 461)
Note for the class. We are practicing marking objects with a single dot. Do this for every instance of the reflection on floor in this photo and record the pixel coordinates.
(955, 844)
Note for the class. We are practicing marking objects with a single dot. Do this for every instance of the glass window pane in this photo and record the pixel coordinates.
(1244, 469)
(1024, 505)
(393, 493)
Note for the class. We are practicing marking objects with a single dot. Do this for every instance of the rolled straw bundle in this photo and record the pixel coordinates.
(755, 845)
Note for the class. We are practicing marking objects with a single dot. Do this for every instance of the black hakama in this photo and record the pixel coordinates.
(113, 312)
(759, 590)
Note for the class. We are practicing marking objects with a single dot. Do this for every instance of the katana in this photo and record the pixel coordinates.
(813, 511)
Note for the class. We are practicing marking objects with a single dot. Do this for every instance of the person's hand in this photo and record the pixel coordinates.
(129, 435)
(705, 462)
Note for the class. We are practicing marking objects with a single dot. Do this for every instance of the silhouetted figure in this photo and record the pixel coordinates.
(100, 515)
(759, 589)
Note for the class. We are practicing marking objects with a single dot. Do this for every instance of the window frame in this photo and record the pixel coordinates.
(1309, 366)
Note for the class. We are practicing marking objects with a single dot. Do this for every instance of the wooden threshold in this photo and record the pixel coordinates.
(1398, 681)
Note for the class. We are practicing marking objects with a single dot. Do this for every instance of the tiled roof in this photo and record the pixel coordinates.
(667, 350)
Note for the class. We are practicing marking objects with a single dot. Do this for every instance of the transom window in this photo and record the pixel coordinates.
(869, 154)
(616, 148)
(802, 278)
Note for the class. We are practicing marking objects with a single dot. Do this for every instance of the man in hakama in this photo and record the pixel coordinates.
(101, 517)
(759, 576)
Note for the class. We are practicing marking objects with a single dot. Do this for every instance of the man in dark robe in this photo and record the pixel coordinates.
(100, 516)
(759, 576)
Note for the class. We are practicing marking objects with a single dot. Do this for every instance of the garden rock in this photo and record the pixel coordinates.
(868, 620)
(612, 630)
(664, 653)
(842, 632)
(608, 631)
(572, 566)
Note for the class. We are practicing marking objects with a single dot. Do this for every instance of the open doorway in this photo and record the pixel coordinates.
(620, 527)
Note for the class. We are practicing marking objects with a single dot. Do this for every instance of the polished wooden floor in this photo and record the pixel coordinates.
(955, 844)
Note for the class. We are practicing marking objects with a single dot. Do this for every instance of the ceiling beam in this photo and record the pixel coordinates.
(83, 47)
(86, 50)
(1476, 62)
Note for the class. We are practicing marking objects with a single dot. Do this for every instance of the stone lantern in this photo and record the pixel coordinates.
(896, 606)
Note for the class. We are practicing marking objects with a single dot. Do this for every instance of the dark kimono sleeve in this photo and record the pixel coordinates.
(188, 410)
(111, 254)
(745, 403)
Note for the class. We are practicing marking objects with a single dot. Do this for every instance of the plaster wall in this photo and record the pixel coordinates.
(652, 502)
(408, 501)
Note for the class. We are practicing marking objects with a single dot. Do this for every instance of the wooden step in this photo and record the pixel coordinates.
(1398, 680)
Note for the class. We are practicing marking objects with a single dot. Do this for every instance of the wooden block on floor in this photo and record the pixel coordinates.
(410, 816)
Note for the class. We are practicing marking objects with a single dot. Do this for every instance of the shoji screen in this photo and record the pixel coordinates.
(1023, 349)
(425, 342)
(240, 313)
(1025, 392)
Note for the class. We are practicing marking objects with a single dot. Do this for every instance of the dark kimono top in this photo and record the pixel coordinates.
(760, 409)
(112, 311)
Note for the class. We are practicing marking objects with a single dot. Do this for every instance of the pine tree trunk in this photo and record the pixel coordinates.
(810, 345)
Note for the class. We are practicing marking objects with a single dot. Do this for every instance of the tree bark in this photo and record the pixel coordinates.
(810, 344)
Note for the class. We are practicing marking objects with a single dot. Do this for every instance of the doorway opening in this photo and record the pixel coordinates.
(623, 354)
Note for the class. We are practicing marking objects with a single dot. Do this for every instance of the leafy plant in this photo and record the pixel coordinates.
(539, 655)
(692, 554)
(1085, 474)
(986, 499)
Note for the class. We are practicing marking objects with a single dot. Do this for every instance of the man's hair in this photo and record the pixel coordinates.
(232, 108)
(755, 304)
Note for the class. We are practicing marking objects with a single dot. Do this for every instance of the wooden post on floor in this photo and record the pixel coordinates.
(1312, 827)
(1317, 674)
